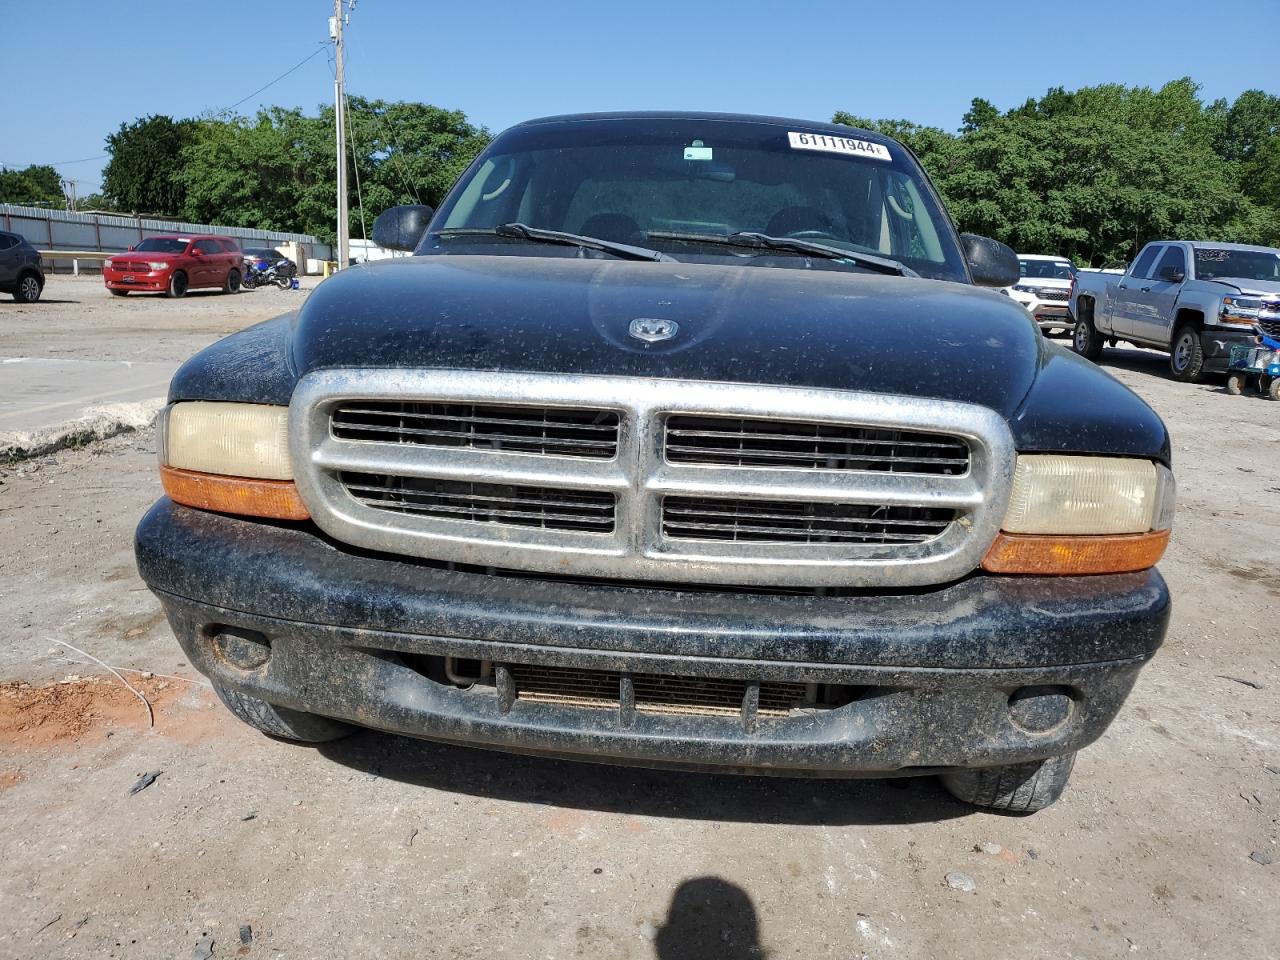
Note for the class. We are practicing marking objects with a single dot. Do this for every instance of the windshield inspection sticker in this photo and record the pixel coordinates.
(846, 145)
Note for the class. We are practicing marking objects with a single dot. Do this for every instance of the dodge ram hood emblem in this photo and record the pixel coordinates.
(651, 329)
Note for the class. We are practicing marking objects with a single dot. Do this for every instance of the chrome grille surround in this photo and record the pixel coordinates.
(640, 477)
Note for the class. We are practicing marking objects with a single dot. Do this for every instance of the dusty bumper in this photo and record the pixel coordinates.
(349, 635)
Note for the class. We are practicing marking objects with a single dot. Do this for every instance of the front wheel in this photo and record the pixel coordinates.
(117, 293)
(1186, 358)
(28, 288)
(281, 721)
(1273, 388)
(1085, 339)
(177, 285)
(232, 283)
(1016, 788)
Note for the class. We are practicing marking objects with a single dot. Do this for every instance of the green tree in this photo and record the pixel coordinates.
(142, 174)
(278, 170)
(1095, 173)
(37, 185)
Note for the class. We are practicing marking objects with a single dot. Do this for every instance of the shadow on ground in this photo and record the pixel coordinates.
(641, 792)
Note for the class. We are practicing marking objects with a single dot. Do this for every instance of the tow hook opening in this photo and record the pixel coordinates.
(239, 647)
(1041, 709)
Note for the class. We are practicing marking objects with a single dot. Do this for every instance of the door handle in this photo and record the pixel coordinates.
(1146, 290)
(1123, 287)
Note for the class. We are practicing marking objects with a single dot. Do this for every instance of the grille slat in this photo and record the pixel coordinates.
(759, 521)
(812, 445)
(549, 431)
(488, 503)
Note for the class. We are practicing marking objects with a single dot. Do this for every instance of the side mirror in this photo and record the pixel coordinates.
(131, 248)
(1173, 275)
(400, 228)
(991, 263)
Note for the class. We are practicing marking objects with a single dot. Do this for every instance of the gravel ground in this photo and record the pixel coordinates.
(383, 846)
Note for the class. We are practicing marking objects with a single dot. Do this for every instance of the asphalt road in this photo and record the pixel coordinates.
(380, 846)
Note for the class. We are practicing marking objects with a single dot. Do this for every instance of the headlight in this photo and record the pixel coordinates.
(229, 457)
(108, 264)
(157, 264)
(1240, 310)
(1081, 515)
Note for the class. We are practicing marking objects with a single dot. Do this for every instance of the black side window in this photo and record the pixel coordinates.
(1142, 268)
(1173, 257)
(207, 246)
(7, 240)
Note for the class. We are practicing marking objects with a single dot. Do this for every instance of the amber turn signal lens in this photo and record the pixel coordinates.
(1075, 556)
(277, 499)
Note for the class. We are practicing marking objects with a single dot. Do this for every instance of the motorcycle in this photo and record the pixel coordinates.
(264, 273)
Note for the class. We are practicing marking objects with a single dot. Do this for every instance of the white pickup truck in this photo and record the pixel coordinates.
(1193, 299)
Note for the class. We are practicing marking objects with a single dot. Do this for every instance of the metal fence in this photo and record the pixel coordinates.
(54, 230)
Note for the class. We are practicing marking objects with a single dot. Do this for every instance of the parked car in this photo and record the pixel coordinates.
(1193, 299)
(682, 440)
(21, 273)
(1043, 289)
(173, 265)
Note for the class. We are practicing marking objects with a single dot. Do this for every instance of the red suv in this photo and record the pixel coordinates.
(175, 265)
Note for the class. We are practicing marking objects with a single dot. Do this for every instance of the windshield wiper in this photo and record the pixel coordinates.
(522, 231)
(762, 241)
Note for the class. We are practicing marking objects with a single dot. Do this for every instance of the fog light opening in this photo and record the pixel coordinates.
(1041, 709)
(242, 648)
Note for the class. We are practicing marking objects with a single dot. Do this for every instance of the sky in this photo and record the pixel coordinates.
(91, 65)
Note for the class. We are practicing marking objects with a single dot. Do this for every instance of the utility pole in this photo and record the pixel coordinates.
(340, 114)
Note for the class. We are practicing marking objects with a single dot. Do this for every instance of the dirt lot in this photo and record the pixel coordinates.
(383, 846)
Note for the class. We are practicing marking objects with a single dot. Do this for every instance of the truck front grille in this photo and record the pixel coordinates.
(650, 480)
(777, 521)
(1271, 327)
(549, 431)
(812, 445)
(542, 507)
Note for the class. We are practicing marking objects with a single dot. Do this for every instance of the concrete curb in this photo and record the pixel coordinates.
(97, 423)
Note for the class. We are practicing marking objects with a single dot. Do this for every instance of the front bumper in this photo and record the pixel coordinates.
(125, 280)
(1216, 342)
(1049, 314)
(352, 636)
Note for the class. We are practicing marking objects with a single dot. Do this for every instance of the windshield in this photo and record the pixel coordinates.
(161, 245)
(1045, 269)
(263, 254)
(663, 184)
(1215, 262)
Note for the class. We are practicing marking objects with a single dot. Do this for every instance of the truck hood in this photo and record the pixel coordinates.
(746, 324)
(1262, 288)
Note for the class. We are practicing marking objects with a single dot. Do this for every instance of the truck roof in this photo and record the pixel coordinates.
(1222, 246)
(836, 129)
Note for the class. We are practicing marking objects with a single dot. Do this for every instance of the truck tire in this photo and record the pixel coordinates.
(1085, 340)
(1186, 354)
(1016, 788)
(281, 722)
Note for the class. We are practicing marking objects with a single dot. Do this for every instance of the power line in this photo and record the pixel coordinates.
(315, 53)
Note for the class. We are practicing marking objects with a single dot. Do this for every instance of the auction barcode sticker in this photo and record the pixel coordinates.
(830, 144)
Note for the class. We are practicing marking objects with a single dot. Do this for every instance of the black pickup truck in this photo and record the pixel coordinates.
(681, 440)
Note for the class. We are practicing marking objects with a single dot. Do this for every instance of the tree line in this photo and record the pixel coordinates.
(1092, 173)
(1095, 173)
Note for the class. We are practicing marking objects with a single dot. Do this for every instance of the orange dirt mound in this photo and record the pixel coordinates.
(75, 709)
